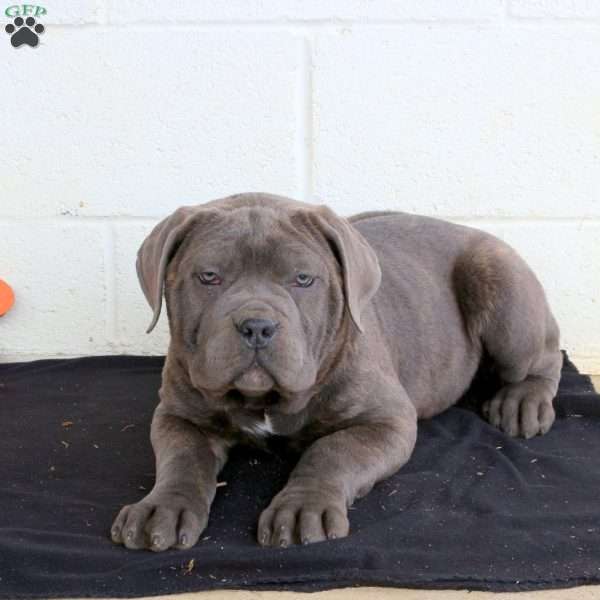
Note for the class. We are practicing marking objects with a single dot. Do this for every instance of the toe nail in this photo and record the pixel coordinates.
(332, 536)
(306, 540)
(156, 540)
(183, 540)
(283, 543)
(129, 534)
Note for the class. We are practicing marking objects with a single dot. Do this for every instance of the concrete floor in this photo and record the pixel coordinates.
(588, 592)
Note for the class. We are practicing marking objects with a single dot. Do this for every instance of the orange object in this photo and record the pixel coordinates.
(7, 297)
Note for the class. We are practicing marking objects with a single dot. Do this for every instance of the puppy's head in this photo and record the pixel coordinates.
(257, 289)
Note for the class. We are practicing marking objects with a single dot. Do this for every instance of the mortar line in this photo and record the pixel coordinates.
(505, 13)
(310, 116)
(102, 12)
(559, 24)
(304, 128)
(131, 219)
(289, 25)
(547, 20)
(521, 219)
(110, 284)
(81, 219)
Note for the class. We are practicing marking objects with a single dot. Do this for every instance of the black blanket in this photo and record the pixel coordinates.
(471, 509)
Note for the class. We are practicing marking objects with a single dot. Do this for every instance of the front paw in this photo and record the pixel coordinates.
(305, 514)
(160, 521)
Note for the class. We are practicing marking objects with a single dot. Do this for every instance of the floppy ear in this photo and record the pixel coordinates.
(360, 266)
(157, 250)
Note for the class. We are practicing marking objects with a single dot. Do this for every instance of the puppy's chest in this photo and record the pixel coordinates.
(259, 425)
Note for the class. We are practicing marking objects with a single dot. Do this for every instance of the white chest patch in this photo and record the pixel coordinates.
(260, 427)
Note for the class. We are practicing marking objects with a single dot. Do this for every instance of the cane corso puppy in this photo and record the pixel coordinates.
(338, 334)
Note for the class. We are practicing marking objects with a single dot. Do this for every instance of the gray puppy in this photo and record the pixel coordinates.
(339, 334)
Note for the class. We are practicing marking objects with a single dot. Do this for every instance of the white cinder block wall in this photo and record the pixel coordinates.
(486, 112)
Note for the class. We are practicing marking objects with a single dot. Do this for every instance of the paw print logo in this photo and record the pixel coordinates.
(24, 32)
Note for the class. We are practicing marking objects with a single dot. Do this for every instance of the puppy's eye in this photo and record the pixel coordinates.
(303, 280)
(209, 278)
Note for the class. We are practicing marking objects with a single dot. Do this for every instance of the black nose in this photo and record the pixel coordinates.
(257, 333)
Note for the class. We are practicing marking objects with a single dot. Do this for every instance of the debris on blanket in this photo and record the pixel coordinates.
(189, 567)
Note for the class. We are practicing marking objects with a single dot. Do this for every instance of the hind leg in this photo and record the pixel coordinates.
(506, 310)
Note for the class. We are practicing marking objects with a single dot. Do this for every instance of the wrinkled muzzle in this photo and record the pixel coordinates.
(255, 346)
